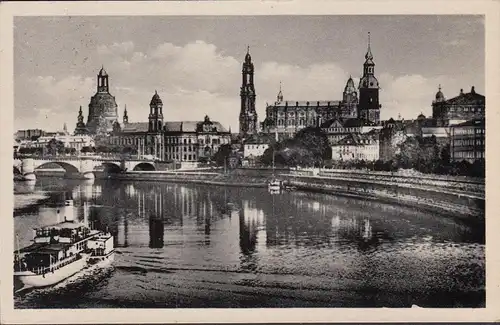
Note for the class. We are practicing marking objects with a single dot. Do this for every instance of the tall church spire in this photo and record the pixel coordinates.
(248, 115)
(369, 55)
(369, 107)
(125, 115)
(280, 95)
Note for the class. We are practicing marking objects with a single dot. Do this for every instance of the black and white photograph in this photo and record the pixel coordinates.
(248, 161)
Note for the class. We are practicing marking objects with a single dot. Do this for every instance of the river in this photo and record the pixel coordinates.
(214, 246)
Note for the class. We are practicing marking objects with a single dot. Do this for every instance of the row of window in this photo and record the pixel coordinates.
(257, 146)
(468, 142)
(460, 131)
(469, 154)
(467, 109)
(185, 157)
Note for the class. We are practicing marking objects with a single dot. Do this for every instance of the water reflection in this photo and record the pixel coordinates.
(213, 231)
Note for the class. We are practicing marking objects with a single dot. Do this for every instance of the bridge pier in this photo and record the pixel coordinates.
(28, 169)
(87, 169)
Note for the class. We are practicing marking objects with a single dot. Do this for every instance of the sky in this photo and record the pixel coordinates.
(194, 62)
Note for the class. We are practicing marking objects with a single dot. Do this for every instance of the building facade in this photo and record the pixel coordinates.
(355, 147)
(287, 117)
(337, 129)
(248, 114)
(468, 141)
(459, 109)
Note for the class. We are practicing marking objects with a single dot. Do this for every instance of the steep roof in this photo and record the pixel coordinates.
(135, 127)
(355, 139)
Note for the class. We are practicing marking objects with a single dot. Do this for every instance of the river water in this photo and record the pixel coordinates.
(186, 245)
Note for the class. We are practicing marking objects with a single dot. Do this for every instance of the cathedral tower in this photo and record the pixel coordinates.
(369, 107)
(155, 114)
(248, 115)
(103, 111)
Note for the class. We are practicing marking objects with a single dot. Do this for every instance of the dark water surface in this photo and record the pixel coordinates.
(207, 246)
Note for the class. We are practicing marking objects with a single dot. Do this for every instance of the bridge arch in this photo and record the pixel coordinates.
(111, 168)
(144, 166)
(69, 168)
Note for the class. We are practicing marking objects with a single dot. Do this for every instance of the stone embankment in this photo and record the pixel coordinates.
(457, 196)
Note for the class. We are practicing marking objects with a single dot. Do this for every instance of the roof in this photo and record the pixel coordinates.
(135, 127)
(471, 98)
(65, 224)
(357, 139)
(260, 139)
(474, 122)
(312, 103)
(191, 126)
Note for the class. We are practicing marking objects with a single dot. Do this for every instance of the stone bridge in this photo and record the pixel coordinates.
(80, 167)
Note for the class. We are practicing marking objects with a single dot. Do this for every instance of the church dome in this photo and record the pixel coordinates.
(156, 100)
(439, 95)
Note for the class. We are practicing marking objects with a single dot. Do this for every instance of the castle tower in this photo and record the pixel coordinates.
(369, 107)
(155, 114)
(103, 111)
(248, 115)
(80, 125)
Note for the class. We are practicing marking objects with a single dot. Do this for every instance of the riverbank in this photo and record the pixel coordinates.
(463, 203)
(24, 200)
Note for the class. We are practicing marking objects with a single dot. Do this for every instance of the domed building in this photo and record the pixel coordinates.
(103, 111)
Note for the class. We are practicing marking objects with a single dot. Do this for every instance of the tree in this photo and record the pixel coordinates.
(55, 147)
(222, 154)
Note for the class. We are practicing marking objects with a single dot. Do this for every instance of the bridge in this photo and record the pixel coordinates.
(82, 167)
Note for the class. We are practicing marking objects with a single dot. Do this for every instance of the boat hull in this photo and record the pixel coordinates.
(30, 279)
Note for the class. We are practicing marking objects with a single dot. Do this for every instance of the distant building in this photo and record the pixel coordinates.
(186, 142)
(459, 109)
(70, 141)
(255, 146)
(287, 117)
(29, 134)
(248, 114)
(357, 146)
(337, 129)
(468, 141)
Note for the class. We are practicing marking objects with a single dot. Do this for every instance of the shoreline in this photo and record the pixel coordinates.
(26, 200)
(468, 205)
(464, 206)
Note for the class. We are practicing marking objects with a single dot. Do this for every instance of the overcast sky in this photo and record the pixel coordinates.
(195, 62)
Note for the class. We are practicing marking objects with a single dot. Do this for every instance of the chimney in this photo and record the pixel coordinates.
(473, 91)
(461, 91)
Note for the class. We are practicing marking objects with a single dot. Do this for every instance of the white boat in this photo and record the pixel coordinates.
(59, 251)
(274, 185)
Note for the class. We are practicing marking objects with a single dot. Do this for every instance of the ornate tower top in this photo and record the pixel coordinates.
(280, 95)
(80, 115)
(125, 115)
(248, 58)
(439, 95)
(156, 100)
(369, 55)
(102, 81)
